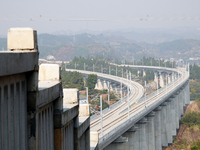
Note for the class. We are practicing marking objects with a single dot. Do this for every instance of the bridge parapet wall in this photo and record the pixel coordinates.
(182, 85)
(33, 115)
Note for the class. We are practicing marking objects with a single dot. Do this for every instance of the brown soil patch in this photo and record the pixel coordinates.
(195, 106)
(83, 91)
(104, 96)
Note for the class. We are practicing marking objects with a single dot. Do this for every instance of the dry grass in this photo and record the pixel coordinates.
(187, 136)
(195, 106)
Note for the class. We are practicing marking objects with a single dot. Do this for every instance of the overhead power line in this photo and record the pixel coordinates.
(107, 19)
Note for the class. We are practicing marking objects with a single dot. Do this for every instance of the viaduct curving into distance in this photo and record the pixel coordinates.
(37, 113)
(151, 122)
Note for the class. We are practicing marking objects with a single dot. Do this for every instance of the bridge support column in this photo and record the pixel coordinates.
(157, 128)
(117, 144)
(188, 91)
(162, 82)
(105, 86)
(96, 86)
(169, 78)
(99, 85)
(132, 139)
(180, 100)
(185, 95)
(177, 110)
(173, 114)
(150, 131)
(136, 139)
(138, 72)
(142, 134)
(144, 73)
(169, 122)
(164, 125)
(155, 77)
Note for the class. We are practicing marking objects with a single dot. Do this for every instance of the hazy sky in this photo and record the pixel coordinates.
(97, 15)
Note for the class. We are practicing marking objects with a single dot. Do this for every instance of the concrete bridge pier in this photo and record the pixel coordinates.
(150, 131)
(142, 134)
(173, 114)
(118, 144)
(164, 125)
(144, 72)
(185, 95)
(132, 139)
(177, 110)
(180, 101)
(105, 86)
(99, 85)
(169, 75)
(157, 128)
(182, 104)
(156, 77)
(169, 121)
(162, 82)
(96, 86)
(188, 92)
(172, 77)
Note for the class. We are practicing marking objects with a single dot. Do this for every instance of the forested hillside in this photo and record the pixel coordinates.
(65, 48)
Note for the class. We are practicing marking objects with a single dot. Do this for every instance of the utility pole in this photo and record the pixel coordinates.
(167, 83)
(108, 94)
(128, 97)
(122, 73)
(178, 73)
(87, 93)
(157, 86)
(130, 80)
(188, 69)
(121, 90)
(101, 116)
(145, 94)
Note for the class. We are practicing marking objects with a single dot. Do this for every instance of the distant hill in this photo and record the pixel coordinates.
(156, 36)
(3, 44)
(64, 47)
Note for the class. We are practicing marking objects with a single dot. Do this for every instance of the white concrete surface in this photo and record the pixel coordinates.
(49, 72)
(22, 39)
(70, 96)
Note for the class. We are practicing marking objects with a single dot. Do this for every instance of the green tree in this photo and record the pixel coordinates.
(91, 81)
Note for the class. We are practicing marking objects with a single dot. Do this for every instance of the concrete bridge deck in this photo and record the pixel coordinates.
(116, 120)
